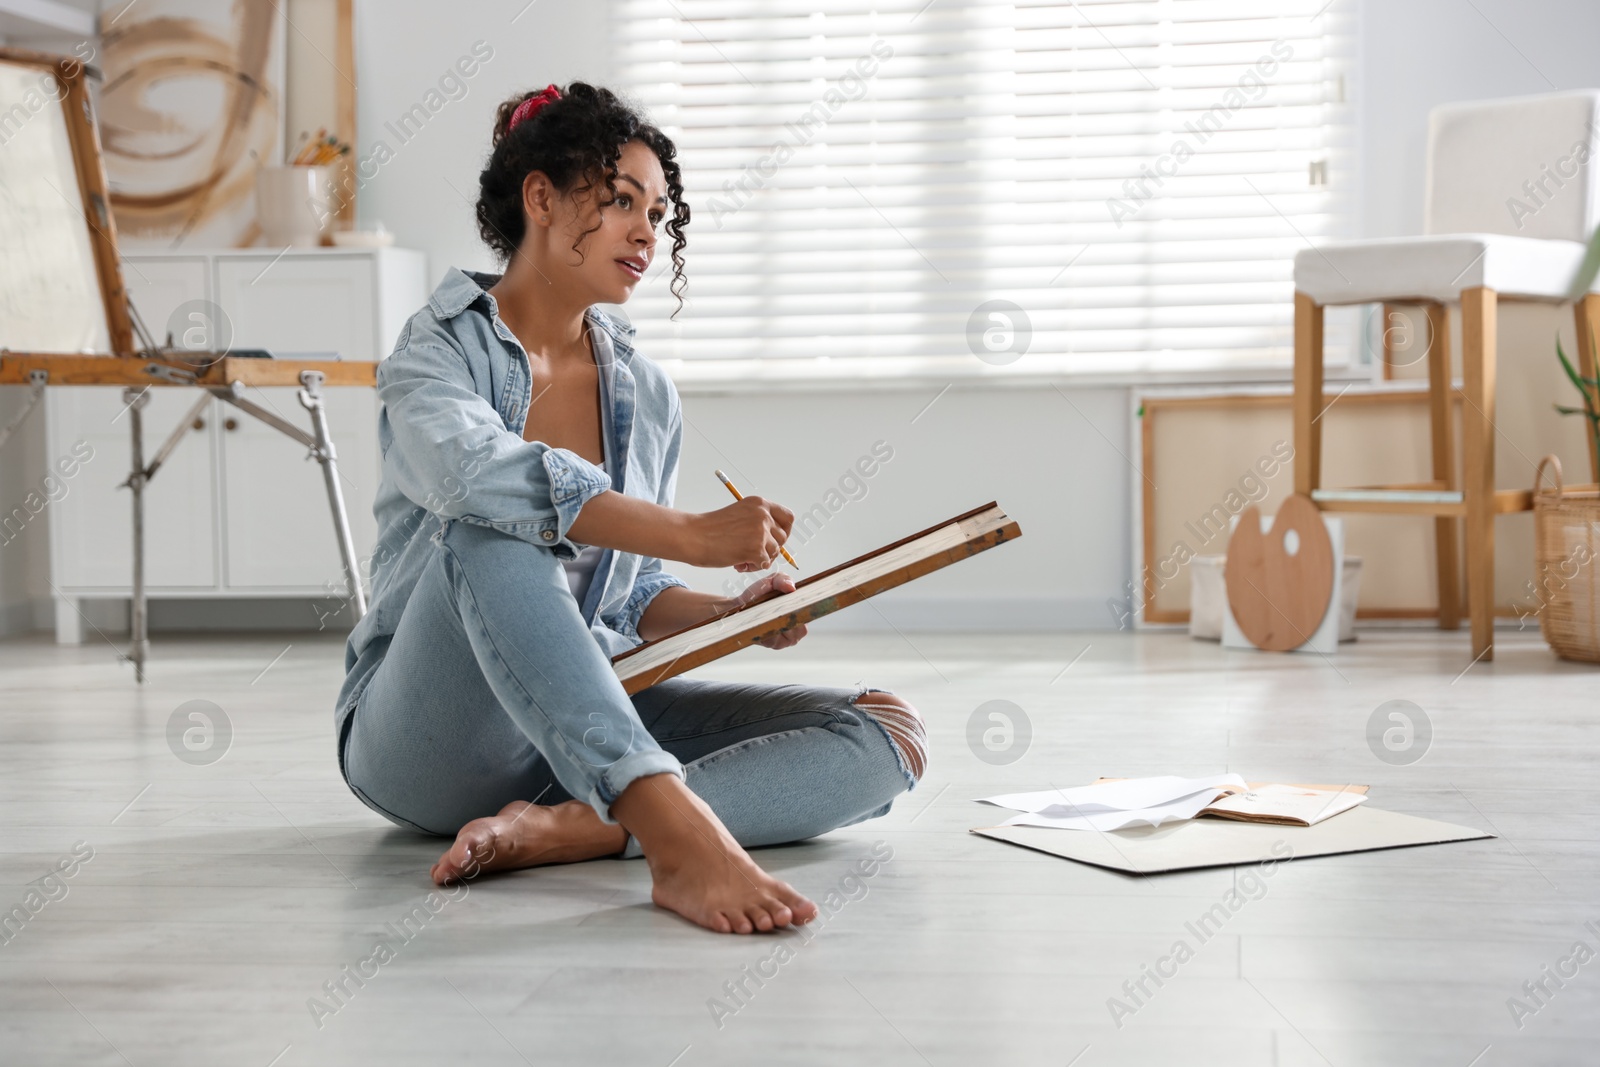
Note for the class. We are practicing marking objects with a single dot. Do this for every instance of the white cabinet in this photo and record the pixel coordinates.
(92, 525)
(318, 304)
(239, 509)
(273, 539)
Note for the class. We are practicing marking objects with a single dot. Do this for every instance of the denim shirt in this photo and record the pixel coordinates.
(453, 400)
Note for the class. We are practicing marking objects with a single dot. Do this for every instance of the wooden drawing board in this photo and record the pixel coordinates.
(813, 597)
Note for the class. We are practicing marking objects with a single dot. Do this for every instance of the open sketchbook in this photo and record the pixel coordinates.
(1283, 805)
(1118, 803)
(894, 564)
(1287, 805)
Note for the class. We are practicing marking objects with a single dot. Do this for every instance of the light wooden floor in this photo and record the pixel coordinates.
(221, 898)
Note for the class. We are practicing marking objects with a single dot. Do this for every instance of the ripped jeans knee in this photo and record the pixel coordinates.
(902, 723)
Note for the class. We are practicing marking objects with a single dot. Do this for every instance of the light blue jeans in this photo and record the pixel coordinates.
(493, 690)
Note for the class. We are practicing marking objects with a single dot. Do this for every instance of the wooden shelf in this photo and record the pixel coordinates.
(1406, 500)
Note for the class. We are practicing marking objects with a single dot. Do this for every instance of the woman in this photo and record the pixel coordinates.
(525, 508)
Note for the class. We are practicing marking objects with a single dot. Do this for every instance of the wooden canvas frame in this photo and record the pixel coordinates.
(72, 76)
(1152, 406)
(344, 54)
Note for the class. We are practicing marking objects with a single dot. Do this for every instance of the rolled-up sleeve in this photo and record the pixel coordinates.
(652, 579)
(449, 450)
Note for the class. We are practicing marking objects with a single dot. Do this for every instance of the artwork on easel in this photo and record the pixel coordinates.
(61, 286)
(191, 106)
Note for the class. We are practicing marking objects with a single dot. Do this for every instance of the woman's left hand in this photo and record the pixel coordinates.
(782, 583)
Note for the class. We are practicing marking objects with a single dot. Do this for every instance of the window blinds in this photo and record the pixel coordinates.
(1057, 187)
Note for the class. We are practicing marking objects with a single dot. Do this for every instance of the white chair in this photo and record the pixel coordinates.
(1512, 195)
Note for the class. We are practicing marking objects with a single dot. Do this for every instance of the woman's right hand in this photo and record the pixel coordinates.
(745, 535)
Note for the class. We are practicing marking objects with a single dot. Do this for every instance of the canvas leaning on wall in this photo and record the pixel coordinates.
(192, 104)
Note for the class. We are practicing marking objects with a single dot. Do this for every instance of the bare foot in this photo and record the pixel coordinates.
(527, 835)
(699, 870)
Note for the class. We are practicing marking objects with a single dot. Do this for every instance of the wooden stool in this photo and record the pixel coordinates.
(1476, 500)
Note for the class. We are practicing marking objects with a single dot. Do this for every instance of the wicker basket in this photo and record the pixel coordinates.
(1567, 564)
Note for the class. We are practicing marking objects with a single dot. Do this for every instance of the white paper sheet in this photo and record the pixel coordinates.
(1114, 805)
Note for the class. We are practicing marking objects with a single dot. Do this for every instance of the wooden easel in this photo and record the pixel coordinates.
(138, 369)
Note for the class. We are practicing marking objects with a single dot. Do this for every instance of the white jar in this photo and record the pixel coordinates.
(294, 205)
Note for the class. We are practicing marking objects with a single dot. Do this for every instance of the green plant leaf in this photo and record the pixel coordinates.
(1569, 411)
(1594, 346)
(1566, 365)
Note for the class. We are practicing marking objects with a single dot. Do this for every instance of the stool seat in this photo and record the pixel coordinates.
(1436, 268)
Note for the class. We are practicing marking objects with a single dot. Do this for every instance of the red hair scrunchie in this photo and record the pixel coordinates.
(530, 107)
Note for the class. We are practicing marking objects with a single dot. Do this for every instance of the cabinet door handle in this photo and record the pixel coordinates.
(199, 423)
(230, 423)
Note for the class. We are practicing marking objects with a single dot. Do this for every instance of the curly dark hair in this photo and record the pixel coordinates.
(576, 141)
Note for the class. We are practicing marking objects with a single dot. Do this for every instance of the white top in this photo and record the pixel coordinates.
(580, 571)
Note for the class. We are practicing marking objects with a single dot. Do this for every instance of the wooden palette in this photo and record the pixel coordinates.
(1278, 598)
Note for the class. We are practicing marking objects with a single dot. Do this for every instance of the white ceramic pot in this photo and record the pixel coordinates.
(294, 205)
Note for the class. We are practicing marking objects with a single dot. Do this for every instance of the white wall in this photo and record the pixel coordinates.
(1416, 54)
(1059, 476)
(427, 191)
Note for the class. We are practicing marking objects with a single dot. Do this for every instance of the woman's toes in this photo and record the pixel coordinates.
(800, 909)
(463, 857)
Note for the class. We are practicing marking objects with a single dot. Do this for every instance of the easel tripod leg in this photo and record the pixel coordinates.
(139, 637)
(311, 399)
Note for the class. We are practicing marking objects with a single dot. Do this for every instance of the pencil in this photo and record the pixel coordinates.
(740, 496)
(305, 153)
